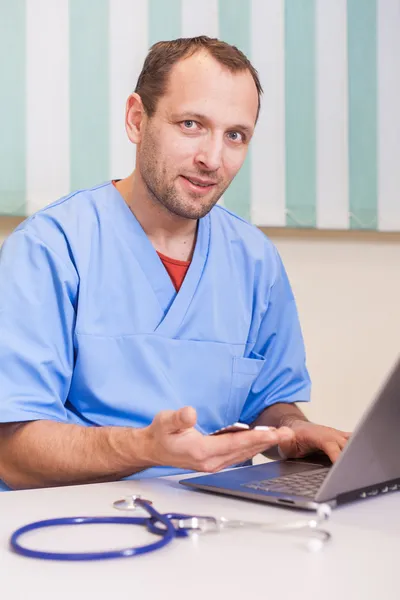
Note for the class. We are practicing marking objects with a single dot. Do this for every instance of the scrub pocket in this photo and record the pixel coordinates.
(245, 372)
(127, 380)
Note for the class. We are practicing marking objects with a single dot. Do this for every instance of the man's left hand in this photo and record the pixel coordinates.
(310, 437)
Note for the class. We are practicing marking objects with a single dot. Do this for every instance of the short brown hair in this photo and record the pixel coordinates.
(162, 56)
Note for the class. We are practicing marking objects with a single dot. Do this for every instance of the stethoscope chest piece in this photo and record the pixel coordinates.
(130, 503)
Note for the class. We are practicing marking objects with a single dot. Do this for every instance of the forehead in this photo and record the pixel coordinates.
(202, 85)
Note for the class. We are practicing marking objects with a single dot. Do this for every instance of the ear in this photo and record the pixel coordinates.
(134, 118)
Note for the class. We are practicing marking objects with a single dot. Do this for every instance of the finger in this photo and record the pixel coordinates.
(175, 421)
(241, 450)
(223, 462)
(286, 435)
(287, 442)
(229, 446)
(241, 457)
(186, 417)
(342, 441)
(332, 449)
(346, 434)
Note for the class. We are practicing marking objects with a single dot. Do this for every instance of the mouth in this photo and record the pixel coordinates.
(197, 184)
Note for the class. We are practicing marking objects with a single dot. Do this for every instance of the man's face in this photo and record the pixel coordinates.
(197, 139)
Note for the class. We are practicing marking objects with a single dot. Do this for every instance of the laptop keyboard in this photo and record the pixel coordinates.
(297, 484)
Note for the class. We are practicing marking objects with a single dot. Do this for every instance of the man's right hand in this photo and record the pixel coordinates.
(172, 440)
(46, 453)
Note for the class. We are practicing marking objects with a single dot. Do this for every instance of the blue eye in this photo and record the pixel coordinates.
(235, 136)
(188, 124)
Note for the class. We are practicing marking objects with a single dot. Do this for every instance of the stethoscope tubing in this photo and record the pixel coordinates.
(166, 534)
(156, 523)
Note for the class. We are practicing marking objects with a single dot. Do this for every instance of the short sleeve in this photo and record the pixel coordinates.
(283, 376)
(37, 316)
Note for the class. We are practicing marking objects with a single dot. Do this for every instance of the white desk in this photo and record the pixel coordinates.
(361, 562)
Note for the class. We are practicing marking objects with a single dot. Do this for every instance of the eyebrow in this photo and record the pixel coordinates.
(198, 116)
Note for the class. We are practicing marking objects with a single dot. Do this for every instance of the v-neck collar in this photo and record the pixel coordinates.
(174, 304)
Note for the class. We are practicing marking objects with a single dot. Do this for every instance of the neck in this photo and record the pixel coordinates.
(170, 234)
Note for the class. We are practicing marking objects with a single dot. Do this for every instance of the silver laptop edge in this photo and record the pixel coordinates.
(371, 458)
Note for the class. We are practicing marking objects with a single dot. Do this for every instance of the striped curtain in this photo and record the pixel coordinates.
(326, 152)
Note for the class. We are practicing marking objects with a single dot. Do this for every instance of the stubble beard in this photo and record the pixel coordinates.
(155, 178)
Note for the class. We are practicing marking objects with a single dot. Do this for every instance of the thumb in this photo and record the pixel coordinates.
(287, 444)
(178, 420)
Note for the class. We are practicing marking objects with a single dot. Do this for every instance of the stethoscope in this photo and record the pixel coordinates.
(167, 527)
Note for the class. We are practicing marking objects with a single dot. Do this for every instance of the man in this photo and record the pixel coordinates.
(137, 317)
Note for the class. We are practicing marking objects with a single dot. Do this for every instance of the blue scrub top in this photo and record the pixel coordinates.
(94, 333)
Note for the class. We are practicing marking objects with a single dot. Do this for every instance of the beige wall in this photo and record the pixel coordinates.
(7, 224)
(348, 293)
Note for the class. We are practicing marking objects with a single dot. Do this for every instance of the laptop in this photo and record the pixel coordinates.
(368, 466)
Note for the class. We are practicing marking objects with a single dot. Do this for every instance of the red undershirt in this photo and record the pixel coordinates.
(176, 269)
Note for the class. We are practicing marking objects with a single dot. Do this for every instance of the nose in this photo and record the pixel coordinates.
(209, 155)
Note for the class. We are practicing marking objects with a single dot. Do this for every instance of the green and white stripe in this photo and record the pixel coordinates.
(128, 49)
(363, 176)
(200, 18)
(268, 144)
(12, 107)
(300, 112)
(388, 166)
(332, 146)
(326, 152)
(47, 102)
(89, 91)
